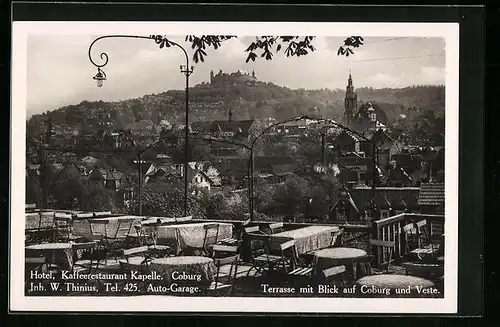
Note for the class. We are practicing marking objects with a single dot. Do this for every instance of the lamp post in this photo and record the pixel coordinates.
(186, 69)
(139, 162)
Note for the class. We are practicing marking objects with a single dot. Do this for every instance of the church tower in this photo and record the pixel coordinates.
(211, 77)
(350, 102)
(230, 118)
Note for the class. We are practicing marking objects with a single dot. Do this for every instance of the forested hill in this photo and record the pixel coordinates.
(260, 100)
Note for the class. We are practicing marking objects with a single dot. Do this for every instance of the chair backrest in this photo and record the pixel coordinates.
(211, 234)
(84, 246)
(124, 228)
(252, 229)
(287, 245)
(35, 264)
(276, 227)
(337, 237)
(62, 225)
(333, 271)
(258, 242)
(224, 248)
(133, 251)
(233, 270)
(388, 245)
(98, 227)
(421, 223)
(409, 228)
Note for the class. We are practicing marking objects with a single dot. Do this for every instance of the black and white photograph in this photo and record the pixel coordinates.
(232, 164)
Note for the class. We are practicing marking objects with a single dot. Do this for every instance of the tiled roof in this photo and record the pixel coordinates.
(431, 194)
(113, 175)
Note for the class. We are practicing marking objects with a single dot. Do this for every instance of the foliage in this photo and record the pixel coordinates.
(166, 199)
(263, 46)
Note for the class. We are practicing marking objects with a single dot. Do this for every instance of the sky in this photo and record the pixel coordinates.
(59, 72)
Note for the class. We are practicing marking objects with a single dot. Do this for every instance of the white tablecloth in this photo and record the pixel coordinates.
(192, 234)
(307, 239)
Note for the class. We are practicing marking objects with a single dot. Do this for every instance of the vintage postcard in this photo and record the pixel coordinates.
(234, 167)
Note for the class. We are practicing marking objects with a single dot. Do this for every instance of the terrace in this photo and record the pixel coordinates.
(242, 258)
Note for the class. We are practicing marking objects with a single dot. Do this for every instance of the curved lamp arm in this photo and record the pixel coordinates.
(162, 41)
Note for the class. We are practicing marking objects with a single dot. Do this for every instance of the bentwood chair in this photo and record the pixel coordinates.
(225, 258)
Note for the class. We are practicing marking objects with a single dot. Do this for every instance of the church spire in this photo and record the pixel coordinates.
(351, 100)
(230, 114)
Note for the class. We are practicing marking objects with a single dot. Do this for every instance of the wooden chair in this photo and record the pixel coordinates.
(38, 264)
(124, 228)
(384, 246)
(224, 257)
(236, 239)
(141, 254)
(275, 228)
(211, 236)
(87, 256)
(334, 275)
(410, 237)
(273, 258)
(337, 238)
(63, 229)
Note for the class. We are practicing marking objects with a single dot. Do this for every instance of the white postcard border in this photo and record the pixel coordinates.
(158, 303)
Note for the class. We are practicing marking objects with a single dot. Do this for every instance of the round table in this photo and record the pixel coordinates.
(392, 285)
(331, 257)
(185, 270)
(60, 254)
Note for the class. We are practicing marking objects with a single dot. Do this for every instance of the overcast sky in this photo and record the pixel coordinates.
(59, 72)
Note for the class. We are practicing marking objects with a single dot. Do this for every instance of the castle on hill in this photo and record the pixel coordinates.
(225, 79)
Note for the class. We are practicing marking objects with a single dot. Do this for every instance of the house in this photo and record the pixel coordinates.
(356, 170)
(233, 129)
(97, 177)
(431, 198)
(109, 179)
(355, 205)
(168, 174)
(113, 179)
(397, 176)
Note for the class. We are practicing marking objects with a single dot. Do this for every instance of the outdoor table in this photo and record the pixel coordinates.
(332, 257)
(183, 269)
(190, 235)
(307, 239)
(387, 284)
(60, 254)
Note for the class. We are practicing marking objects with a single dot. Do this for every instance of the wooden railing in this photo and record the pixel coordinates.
(391, 229)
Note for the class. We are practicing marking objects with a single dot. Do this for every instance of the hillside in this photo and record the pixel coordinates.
(260, 100)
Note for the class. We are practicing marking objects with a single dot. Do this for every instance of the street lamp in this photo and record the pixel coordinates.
(186, 69)
(100, 77)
